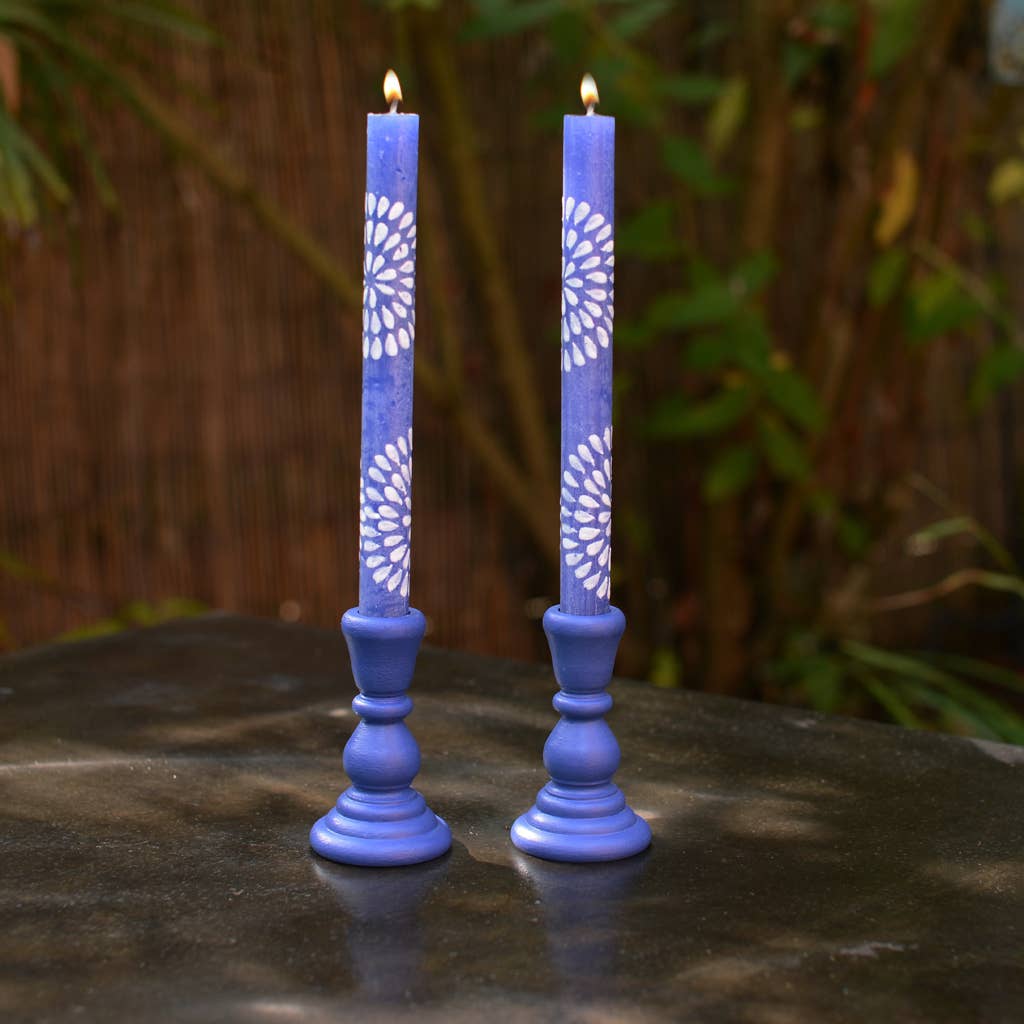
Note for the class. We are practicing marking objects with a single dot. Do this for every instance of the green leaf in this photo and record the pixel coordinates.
(707, 305)
(822, 679)
(982, 715)
(853, 535)
(651, 234)
(640, 16)
(890, 700)
(755, 272)
(995, 675)
(784, 452)
(898, 25)
(890, 661)
(740, 339)
(1003, 582)
(631, 335)
(676, 417)
(791, 394)
(997, 369)
(726, 116)
(688, 162)
(666, 668)
(165, 17)
(707, 36)
(1007, 181)
(952, 716)
(797, 60)
(886, 274)
(806, 117)
(839, 16)
(709, 352)
(730, 473)
(507, 17)
(691, 90)
(104, 627)
(937, 305)
(923, 542)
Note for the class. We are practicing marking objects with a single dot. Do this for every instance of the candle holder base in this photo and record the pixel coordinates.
(581, 815)
(380, 821)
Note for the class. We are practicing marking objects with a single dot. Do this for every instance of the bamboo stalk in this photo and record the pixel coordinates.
(825, 363)
(522, 392)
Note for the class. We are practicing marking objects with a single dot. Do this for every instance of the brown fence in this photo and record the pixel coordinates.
(179, 399)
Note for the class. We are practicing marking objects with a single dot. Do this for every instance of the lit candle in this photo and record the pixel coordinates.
(588, 261)
(389, 313)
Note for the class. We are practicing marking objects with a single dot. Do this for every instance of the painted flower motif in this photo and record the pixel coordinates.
(588, 279)
(385, 515)
(587, 513)
(388, 277)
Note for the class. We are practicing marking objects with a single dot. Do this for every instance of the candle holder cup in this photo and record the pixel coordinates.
(581, 815)
(380, 820)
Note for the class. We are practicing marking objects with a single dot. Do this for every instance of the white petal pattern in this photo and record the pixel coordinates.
(388, 277)
(588, 278)
(385, 516)
(587, 513)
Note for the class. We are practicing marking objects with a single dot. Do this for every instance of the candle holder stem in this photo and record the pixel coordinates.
(581, 815)
(380, 820)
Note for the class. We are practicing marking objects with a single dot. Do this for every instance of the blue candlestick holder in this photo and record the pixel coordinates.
(380, 820)
(581, 815)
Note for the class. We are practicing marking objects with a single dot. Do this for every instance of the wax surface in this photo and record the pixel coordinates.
(389, 313)
(588, 261)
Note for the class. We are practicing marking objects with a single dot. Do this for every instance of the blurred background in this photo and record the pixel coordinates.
(819, 334)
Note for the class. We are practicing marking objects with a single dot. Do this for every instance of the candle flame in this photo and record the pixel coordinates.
(588, 91)
(392, 88)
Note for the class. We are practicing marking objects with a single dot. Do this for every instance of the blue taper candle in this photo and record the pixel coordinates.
(389, 314)
(581, 815)
(588, 268)
(380, 820)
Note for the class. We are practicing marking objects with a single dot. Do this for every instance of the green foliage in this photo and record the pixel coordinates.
(133, 614)
(67, 50)
(938, 305)
(690, 163)
(674, 417)
(918, 691)
(897, 27)
(650, 234)
(886, 275)
(505, 17)
(1001, 366)
(136, 614)
(691, 90)
(727, 115)
(729, 365)
(730, 472)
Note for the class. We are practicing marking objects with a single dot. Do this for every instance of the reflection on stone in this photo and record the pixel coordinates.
(583, 905)
(383, 930)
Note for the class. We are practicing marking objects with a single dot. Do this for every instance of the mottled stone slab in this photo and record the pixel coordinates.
(157, 789)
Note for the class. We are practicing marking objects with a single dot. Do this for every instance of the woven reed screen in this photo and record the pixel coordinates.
(180, 409)
(179, 398)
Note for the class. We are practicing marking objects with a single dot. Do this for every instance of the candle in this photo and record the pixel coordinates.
(588, 260)
(389, 313)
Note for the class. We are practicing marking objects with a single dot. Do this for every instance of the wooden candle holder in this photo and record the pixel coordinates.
(581, 815)
(380, 820)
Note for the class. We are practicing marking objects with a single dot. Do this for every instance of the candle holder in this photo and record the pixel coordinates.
(380, 820)
(581, 815)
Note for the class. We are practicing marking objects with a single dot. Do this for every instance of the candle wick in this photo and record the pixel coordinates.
(590, 109)
(394, 106)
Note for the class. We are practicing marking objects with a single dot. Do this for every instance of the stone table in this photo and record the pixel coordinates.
(157, 788)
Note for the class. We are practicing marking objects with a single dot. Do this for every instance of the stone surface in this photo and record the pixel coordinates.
(157, 789)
